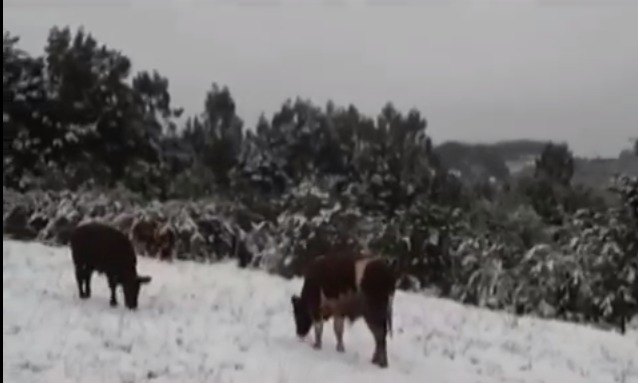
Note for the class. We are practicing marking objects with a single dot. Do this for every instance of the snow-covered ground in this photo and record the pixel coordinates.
(216, 323)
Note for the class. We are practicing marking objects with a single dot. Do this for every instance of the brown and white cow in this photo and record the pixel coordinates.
(164, 241)
(142, 235)
(153, 237)
(347, 286)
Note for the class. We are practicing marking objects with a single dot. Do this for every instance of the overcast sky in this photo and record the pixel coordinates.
(478, 70)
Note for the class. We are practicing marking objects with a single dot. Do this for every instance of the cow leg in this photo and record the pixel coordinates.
(79, 277)
(113, 287)
(377, 326)
(87, 282)
(623, 324)
(338, 327)
(165, 253)
(318, 326)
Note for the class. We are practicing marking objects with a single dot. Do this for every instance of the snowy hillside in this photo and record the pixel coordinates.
(216, 323)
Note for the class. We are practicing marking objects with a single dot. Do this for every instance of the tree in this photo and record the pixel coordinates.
(73, 111)
(120, 124)
(393, 160)
(24, 107)
(556, 162)
(216, 136)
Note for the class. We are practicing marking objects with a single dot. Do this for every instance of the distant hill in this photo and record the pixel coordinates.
(503, 159)
(482, 161)
(515, 149)
(597, 171)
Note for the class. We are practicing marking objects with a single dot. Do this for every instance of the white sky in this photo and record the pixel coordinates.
(478, 70)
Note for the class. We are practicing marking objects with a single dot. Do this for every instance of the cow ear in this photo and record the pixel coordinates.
(144, 279)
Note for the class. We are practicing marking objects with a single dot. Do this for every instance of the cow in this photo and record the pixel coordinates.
(164, 242)
(99, 247)
(142, 235)
(347, 286)
(154, 237)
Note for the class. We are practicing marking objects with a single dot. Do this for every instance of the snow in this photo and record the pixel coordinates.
(217, 323)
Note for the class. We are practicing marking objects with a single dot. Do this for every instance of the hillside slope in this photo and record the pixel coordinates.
(510, 158)
(216, 323)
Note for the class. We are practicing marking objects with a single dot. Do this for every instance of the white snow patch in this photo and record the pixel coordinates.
(217, 323)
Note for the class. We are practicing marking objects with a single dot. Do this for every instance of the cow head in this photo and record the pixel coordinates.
(303, 321)
(132, 290)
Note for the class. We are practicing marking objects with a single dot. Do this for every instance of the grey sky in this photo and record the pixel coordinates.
(478, 70)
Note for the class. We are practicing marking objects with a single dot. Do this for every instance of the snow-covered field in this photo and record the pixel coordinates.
(216, 323)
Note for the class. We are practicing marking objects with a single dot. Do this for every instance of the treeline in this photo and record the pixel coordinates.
(77, 118)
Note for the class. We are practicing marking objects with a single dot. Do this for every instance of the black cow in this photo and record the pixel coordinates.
(98, 247)
(347, 286)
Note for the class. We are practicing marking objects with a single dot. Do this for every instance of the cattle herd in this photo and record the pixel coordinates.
(336, 286)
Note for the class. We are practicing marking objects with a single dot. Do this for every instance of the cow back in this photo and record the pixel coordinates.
(338, 284)
(103, 248)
